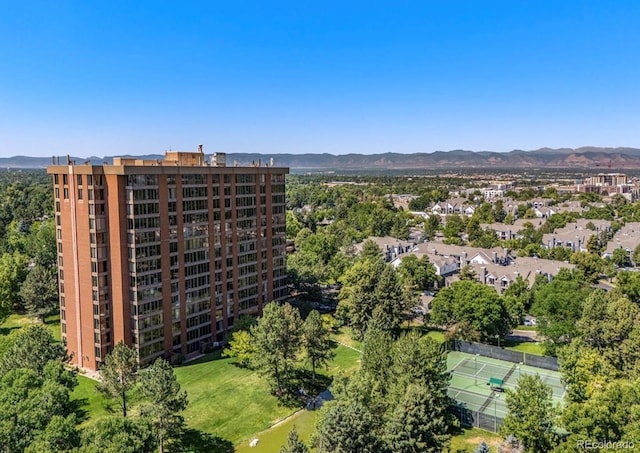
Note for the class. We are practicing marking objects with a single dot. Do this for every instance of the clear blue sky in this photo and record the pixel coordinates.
(114, 77)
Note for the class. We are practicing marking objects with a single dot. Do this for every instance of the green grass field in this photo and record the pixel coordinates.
(271, 440)
(224, 399)
(17, 321)
(530, 347)
(469, 439)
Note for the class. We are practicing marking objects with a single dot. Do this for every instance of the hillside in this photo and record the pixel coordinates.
(585, 157)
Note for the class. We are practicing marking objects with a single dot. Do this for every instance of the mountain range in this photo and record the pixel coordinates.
(584, 157)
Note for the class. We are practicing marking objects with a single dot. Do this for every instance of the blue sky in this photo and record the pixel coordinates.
(115, 77)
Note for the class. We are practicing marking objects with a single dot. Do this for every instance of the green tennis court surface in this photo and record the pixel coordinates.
(476, 402)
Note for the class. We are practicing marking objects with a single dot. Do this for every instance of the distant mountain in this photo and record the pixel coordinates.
(585, 157)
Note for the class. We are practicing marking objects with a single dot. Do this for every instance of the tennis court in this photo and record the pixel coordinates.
(477, 404)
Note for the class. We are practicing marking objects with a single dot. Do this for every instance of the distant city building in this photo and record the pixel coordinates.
(165, 255)
(609, 184)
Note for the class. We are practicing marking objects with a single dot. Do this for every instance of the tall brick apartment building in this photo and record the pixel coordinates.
(166, 254)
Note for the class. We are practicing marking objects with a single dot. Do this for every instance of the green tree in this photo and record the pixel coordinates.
(164, 401)
(316, 342)
(118, 435)
(241, 347)
(611, 414)
(42, 243)
(419, 358)
(370, 250)
(531, 414)
(607, 319)
(636, 255)
(417, 273)
(294, 444)
(347, 427)
(453, 228)
(119, 374)
(39, 292)
(431, 226)
(276, 338)
(418, 424)
(61, 434)
(558, 306)
(476, 310)
(293, 225)
(629, 284)
(474, 232)
(468, 274)
(32, 348)
(585, 370)
(357, 300)
(33, 405)
(390, 300)
(519, 289)
(13, 271)
(591, 264)
(620, 257)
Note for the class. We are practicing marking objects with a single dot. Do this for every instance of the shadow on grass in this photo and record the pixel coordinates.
(210, 357)
(300, 389)
(8, 330)
(196, 441)
(77, 407)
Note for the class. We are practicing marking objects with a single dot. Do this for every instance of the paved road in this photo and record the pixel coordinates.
(523, 335)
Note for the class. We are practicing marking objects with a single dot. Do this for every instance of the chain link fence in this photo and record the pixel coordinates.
(495, 352)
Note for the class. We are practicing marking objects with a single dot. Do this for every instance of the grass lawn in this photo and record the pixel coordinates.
(529, 328)
(469, 439)
(18, 321)
(271, 440)
(226, 400)
(91, 403)
(436, 335)
(528, 347)
(343, 335)
(235, 403)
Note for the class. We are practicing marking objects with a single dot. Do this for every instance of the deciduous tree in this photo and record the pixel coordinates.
(241, 347)
(477, 309)
(531, 414)
(118, 435)
(32, 348)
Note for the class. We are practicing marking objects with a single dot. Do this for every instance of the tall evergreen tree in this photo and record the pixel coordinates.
(316, 342)
(294, 444)
(418, 424)
(164, 401)
(276, 340)
(39, 292)
(118, 375)
(390, 299)
(347, 427)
